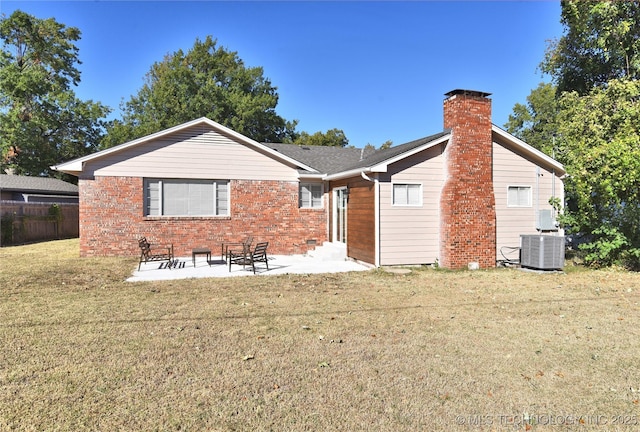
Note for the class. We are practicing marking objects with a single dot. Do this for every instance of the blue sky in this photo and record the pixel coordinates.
(376, 70)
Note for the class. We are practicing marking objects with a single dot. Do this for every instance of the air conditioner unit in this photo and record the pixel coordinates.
(542, 252)
(546, 221)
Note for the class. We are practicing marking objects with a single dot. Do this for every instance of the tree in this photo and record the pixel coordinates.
(41, 120)
(333, 137)
(601, 151)
(536, 122)
(601, 43)
(207, 81)
(595, 67)
(370, 148)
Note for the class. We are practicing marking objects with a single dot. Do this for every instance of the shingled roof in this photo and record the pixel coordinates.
(29, 184)
(331, 160)
(325, 159)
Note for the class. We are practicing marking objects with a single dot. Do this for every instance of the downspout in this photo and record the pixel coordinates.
(536, 206)
(553, 170)
(376, 203)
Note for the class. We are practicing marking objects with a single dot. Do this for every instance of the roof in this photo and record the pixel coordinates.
(29, 184)
(334, 160)
(325, 159)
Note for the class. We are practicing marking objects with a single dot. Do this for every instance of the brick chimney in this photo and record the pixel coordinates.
(467, 202)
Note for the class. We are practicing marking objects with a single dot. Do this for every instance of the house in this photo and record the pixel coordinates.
(37, 189)
(456, 197)
(37, 209)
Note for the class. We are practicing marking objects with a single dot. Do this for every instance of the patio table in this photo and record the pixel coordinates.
(201, 251)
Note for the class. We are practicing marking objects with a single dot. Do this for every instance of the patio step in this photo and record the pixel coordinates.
(329, 251)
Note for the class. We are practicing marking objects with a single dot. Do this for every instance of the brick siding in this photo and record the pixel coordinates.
(112, 219)
(468, 216)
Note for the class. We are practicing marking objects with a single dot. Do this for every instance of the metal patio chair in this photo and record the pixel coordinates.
(246, 256)
(155, 253)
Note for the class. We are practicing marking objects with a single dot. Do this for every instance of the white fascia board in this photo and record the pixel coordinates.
(347, 174)
(76, 166)
(557, 166)
(311, 176)
(68, 168)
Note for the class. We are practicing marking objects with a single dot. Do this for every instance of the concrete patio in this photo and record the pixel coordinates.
(216, 267)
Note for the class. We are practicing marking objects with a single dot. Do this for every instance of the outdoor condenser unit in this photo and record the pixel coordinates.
(542, 252)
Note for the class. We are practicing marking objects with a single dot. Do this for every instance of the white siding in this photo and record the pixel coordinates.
(199, 152)
(410, 235)
(513, 169)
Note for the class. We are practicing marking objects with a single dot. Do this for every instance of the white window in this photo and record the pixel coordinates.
(407, 194)
(519, 196)
(310, 195)
(186, 197)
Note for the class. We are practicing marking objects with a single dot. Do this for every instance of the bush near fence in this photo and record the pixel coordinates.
(23, 222)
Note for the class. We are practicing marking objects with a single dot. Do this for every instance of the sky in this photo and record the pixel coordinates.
(376, 70)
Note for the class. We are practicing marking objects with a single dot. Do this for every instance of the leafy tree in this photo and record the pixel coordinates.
(595, 115)
(370, 148)
(41, 120)
(601, 151)
(333, 137)
(536, 122)
(385, 145)
(207, 81)
(601, 42)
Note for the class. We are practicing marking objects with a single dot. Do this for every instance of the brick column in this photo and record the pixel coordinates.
(467, 202)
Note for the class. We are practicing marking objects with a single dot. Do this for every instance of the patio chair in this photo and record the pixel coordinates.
(248, 257)
(237, 245)
(157, 253)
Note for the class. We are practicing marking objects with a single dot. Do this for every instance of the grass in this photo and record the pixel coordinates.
(81, 349)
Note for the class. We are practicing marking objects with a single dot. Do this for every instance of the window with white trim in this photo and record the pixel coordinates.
(519, 196)
(311, 195)
(406, 194)
(186, 197)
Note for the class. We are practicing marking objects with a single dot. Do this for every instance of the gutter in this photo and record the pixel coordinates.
(310, 176)
(346, 174)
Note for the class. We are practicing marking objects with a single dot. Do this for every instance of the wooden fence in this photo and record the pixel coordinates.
(23, 222)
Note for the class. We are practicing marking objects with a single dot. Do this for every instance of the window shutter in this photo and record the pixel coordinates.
(222, 198)
(152, 192)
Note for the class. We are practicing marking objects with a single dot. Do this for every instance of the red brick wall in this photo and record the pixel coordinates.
(112, 219)
(467, 202)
